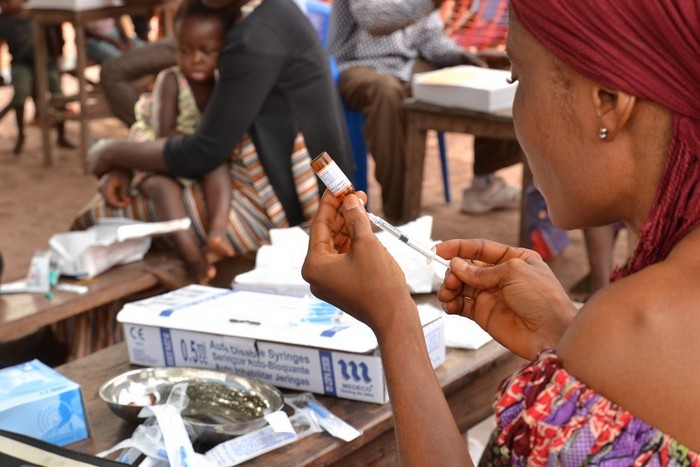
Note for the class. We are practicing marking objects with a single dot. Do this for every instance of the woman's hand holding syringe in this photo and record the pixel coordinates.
(339, 184)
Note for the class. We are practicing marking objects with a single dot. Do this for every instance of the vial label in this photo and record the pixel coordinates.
(334, 178)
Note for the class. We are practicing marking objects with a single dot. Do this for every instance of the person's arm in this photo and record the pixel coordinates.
(246, 78)
(343, 253)
(436, 47)
(165, 105)
(129, 155)
(119, 75)
(382, 17)
(96, 33)
(247, 75)
(126, 43)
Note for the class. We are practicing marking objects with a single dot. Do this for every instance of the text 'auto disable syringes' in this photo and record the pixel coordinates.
(339, 184)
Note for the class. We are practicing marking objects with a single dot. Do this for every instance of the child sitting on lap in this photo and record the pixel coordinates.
(174, 107)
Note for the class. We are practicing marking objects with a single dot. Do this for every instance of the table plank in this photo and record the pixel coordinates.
(24, 313)
(422, 117)
(468, 377)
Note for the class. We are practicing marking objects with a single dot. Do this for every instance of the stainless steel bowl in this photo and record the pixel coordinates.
(221, 406)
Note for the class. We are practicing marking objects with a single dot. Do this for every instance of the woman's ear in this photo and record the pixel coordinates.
(614, 109)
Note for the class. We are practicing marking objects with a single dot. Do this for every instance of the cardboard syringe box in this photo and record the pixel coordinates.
(467, 87)
(290, 342)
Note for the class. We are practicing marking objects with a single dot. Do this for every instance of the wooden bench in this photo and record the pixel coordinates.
(24, 313)
(68, 325)
(156, 273)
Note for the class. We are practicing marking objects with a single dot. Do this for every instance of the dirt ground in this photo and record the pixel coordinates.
(38, 201)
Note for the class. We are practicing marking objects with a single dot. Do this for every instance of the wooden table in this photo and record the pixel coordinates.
(422, 117)
(469, 379)
(46, 17)
(24, 313)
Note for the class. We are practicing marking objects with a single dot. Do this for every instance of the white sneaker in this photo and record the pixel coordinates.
(498, 195)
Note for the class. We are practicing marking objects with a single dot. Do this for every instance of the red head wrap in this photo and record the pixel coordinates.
(650, 49)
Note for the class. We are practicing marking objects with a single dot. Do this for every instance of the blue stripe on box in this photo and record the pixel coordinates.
(330, 332)
(327, 375)
(169, 311)
(168, 351)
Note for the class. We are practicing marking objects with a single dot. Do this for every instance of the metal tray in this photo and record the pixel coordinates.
(222, 405)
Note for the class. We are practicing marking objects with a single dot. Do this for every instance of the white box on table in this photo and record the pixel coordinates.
(467, 87)
(37, 401)
(285, 341)
(72, 4)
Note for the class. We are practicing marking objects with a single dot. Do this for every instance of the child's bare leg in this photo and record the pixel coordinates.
(165, 194)
(217, 194)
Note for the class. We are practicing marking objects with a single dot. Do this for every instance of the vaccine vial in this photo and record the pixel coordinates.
(331, 175)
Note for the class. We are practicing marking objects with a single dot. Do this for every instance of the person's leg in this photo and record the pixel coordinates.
(379, 97)
(55, 88)
(22, 83)
(217, 194)
(100, 51)
(487, 191)
(165, 194)
(142, 25)
(120, 74)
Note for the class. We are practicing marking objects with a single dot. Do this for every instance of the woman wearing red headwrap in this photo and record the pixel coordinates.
(608, 113)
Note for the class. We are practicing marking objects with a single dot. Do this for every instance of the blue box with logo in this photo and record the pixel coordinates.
(37, 401)
(299, 343)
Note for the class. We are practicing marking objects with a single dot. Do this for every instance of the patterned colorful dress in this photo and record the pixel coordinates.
(545, 416)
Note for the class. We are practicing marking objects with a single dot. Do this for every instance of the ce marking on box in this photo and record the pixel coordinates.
(136, 333)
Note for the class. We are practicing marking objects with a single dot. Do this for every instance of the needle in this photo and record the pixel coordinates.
(423, 250)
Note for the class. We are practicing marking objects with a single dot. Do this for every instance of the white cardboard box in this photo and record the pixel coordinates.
(73, 4)
(299, 343)
(37, 401)
(467, 87)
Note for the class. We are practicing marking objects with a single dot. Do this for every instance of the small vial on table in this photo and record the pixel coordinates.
(331, 175)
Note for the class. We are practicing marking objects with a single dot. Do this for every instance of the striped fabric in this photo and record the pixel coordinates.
(255, 209)
(477, 25)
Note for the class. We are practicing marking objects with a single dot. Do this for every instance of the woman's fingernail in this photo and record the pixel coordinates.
(444, 306)
(352, 202)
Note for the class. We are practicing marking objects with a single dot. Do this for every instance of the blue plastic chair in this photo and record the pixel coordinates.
(319, 14)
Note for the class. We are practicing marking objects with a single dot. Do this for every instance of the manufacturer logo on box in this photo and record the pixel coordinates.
(358, 372)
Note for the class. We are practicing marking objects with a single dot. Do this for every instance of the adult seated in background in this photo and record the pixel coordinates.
(378, 46)
(274, 84)
(608, 138)
(107, 38)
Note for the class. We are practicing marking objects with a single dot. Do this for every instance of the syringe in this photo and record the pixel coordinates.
(423, 250)
(339, 184)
